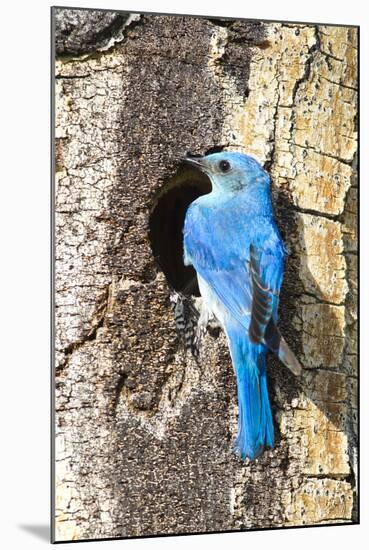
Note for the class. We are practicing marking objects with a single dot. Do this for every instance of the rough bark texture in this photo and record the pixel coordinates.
(143, 432)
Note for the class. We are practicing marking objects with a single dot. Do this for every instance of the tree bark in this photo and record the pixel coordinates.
(143, 430)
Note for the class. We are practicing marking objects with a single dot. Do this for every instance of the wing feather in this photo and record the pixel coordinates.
(240, 274)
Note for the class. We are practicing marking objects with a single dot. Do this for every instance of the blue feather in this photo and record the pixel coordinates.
(255, 422)
(231, 239)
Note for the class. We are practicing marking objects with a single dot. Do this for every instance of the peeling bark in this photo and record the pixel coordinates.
(143, 432)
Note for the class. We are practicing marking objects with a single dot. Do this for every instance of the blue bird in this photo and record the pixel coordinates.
(232, 241)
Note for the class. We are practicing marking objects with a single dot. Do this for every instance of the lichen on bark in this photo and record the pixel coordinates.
(143, 432)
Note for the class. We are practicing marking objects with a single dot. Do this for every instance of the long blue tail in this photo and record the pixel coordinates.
(255, 421)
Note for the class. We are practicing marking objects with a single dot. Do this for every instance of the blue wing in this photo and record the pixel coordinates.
(242, 264)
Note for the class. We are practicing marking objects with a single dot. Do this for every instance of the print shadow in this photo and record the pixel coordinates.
(41, 532)
(323, 383)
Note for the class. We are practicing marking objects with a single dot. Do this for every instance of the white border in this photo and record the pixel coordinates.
(25, 268)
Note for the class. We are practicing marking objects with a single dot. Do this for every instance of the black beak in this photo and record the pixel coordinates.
(194, 161)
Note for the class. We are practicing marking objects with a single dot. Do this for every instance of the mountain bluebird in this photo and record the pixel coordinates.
(232, 241)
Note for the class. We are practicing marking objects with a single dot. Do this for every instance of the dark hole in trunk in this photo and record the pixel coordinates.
(166, 227)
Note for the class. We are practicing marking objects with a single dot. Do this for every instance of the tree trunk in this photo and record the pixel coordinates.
(144, 431)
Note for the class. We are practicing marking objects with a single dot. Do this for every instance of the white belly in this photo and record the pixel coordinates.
(212, 303)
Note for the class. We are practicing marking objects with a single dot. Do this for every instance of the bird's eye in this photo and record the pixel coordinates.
(224, 166)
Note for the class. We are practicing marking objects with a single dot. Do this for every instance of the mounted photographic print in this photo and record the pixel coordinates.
(205, 274)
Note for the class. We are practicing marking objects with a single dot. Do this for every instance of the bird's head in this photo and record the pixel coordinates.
(231, 172)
